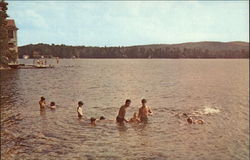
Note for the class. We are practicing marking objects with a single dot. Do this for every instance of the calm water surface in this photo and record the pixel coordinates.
(171, 86)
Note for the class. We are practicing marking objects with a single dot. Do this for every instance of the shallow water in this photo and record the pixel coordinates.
(216, 89)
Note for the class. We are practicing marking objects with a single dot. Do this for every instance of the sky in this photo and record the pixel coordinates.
(125, 23)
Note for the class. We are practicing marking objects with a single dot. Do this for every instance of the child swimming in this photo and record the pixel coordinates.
(93, 121)
(190, 120)
(52, 105)
(134, 119)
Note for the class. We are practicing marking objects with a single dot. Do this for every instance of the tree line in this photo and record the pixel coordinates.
(168, 51)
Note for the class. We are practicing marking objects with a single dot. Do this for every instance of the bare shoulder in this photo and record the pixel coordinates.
(148, 107)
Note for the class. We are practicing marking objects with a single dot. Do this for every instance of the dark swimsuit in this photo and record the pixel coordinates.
(119, 119)
(144, 119)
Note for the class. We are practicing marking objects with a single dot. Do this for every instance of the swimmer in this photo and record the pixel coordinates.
(144, 111)
(42, 103)
(52, 105)
(122, 112)
(102, 118)
(79, 109)
(92, 121)
(200, 121)
(134, 119)
(190, 120)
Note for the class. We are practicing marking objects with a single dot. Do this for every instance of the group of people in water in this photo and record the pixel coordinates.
(142, 116)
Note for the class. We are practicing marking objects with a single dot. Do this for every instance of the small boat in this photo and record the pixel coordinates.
(13, 65)
(43, 66)
(41, 63)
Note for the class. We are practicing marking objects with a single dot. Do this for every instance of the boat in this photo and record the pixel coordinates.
(14, 65)
(43, 66)
(41, 63)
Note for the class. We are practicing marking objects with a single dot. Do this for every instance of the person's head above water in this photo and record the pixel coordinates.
(80, 103)
(92, 119)
(52, 103)
(127, 102)
(190, 120)
(42, 99)
(102, 118)
(143, 101)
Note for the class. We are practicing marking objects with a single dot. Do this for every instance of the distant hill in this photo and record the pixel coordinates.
(206, 49)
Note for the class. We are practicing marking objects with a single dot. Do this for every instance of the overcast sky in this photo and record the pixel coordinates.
(118, 23)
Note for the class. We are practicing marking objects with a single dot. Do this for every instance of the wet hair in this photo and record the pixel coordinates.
(92, 119)
(42, 98)
(143, 101)
(128, 101)
(80, 103)
(102, 118)
(190, 120)
(52, 103)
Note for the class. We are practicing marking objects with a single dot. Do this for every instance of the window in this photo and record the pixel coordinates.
(11, 45)
(10, 34)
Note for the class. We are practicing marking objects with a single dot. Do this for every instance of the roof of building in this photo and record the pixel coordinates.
(11, 24)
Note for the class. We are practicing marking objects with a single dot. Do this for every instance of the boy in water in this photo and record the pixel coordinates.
(79, 109)
(190, 120)
(42, 103)
(134, 119)
(52, 105)
(93, 121)
(122, 112)
(144, 111)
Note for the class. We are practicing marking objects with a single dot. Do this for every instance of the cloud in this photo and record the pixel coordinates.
(128, 23)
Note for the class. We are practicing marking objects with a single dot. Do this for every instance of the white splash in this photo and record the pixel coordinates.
(210, 110)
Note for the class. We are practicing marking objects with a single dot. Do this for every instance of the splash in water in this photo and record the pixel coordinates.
(210, 110)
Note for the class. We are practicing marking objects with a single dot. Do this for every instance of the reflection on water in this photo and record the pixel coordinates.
(215, 90)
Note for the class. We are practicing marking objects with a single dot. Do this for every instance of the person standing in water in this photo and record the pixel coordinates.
(42, 103)
(79, 109)
(144, 111)
(122, 112)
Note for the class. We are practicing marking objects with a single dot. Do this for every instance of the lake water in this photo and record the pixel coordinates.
(217, 89)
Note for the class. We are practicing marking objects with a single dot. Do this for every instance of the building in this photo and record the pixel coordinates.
(12, 34)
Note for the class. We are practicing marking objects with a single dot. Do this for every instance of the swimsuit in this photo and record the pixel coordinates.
(144, 119)
(119, 119)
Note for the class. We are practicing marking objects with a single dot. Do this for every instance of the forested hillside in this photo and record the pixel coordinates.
(183, 50)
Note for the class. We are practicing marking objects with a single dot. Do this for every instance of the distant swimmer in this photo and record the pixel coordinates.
(93, 121)
(144, 111)
(52, 105)
(80, 109)
(42, 103)
(102, 118)
(134, 119)
(190, 120)
(122, 112)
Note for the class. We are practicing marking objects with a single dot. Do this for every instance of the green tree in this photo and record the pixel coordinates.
(6, 55)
